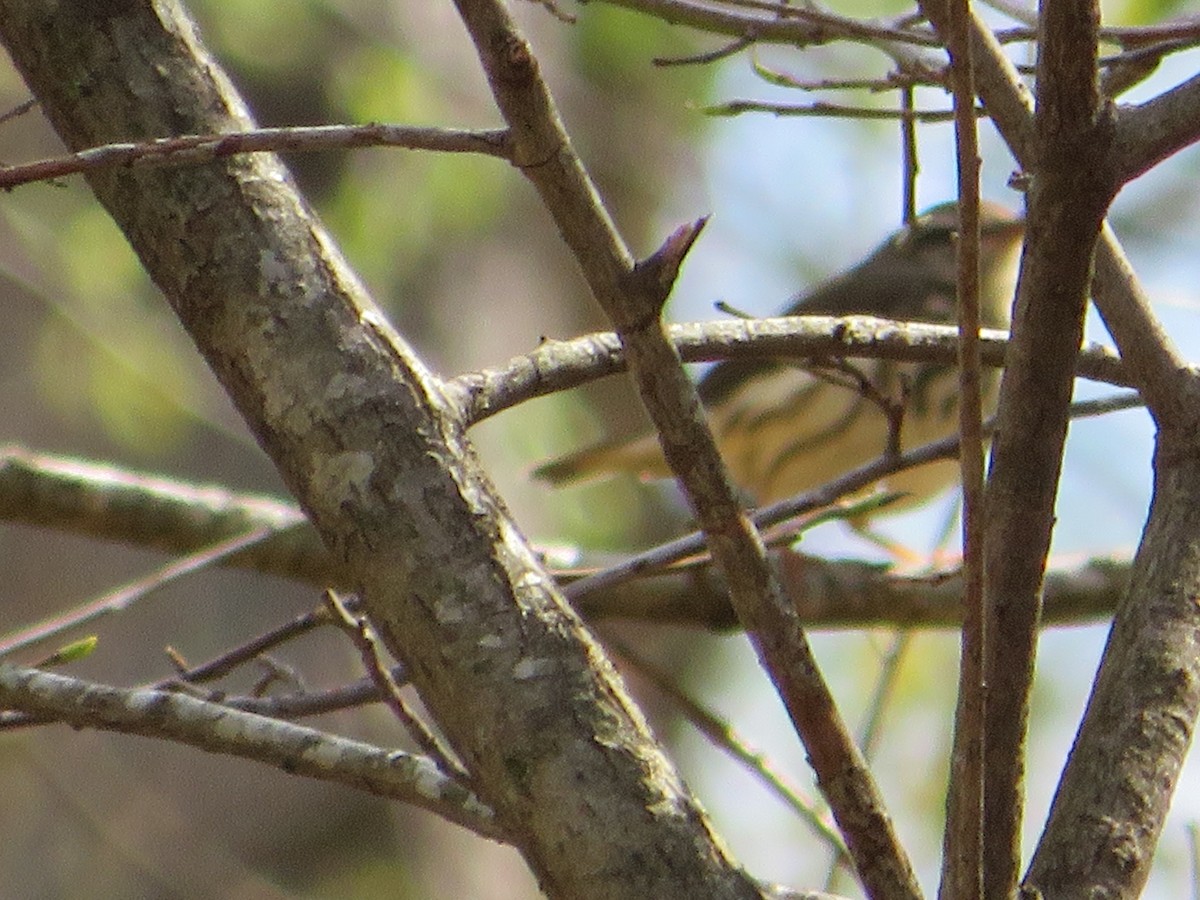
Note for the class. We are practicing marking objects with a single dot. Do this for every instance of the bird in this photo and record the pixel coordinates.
(785, 426)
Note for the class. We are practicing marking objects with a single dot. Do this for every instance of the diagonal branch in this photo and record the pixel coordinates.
(1115, 793)
(633, 295)
(1152, 131)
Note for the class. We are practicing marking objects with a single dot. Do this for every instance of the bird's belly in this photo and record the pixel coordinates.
(793, 432)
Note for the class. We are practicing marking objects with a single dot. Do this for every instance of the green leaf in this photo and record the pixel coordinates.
(72, 652)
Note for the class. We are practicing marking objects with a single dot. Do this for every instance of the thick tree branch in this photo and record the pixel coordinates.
(173, 516)
(1072, 185)
(365, 437)
(105, 502)
(1116, 790)
(1154, 130)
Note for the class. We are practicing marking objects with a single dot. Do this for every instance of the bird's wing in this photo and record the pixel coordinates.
(878, 290)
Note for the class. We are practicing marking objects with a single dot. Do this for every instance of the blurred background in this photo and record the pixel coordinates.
(470, 269)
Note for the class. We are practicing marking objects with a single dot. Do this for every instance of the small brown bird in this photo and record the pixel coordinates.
(785, 426)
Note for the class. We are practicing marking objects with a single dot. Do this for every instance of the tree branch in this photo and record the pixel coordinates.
(825, 594)
(197, 148)
(218, 729)
(963, 836)
(632, 296)
(366, 439)
(1095, 839)
(1115, 792)
(558, 365)
(1160, 127)
(1072, 185)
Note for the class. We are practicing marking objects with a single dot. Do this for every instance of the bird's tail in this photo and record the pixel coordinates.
(640, 456)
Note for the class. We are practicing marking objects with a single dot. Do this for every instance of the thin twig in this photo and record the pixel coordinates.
(359, 632)
(125, 596)
(872, 728)
(19, 110)
(235, 657)
(823, 110)
(192, 149)
(894, 81)
(725, 736)
(303, 704)
(810, 23)
(910, 161)
(703, 59)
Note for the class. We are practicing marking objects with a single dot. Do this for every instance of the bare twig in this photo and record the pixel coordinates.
(882, 692)
(824, 110)
(359, 632)
(792, 23)
(725, 737)
(198, 148)
(302, 704)
(890, 82)
(702, 59)
(125, 596)
(17, 111)
(235, 657)
(910, 163)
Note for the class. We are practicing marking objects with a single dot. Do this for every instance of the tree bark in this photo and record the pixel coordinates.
(371, 444)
